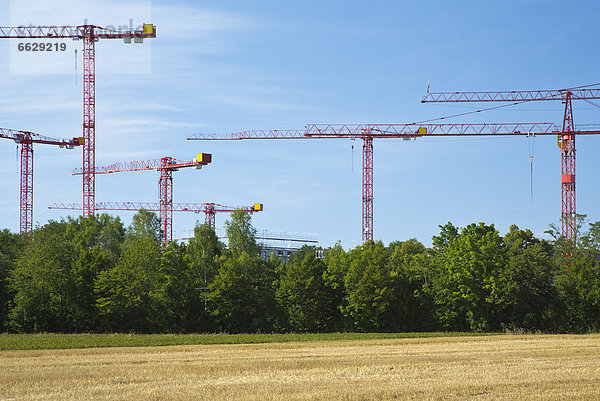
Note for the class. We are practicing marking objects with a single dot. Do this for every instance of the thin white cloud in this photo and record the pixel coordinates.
(182, 23)
(67, 12)
(146, 124)
(257, 104)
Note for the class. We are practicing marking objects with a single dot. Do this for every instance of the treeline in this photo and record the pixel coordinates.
(93, 275)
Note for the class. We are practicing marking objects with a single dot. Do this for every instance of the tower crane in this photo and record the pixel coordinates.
(165, 166)
(90, 34)
(26, 139)
(368, 132)
(565, 137)
(209, 209)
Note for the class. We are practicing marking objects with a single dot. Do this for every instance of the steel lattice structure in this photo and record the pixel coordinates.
(368, 132)
(512, 96)
(367, 189)
(567, 167)
(209, 209)
(165, 196)
(90, 34)
(325, 131)
(26, 188)
(26, 139)
(165, 167)
(566, 136)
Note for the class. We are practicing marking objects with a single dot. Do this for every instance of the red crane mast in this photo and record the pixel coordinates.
(209, 209)
(90, 34)
(368, 132)
(166, 166)
(566, 136)
(26, 139)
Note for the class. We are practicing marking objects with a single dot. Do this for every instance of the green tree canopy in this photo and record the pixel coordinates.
(242, 295)
(10, 248)
(241, 234)
(577, 279)
(145, 224)
(130, 293)
(310, 304)
(466, 274)
(369, 288)
(42, 282)
(526, 292)
(410, 270)
(204, 251)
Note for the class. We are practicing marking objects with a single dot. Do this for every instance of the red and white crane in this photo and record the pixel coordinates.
(566, 136)
(90, 34)
(165, 166)
(26, 139)
(368, 132)
(209, 209)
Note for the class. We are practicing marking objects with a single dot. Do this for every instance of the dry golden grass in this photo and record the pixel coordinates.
(475, 368)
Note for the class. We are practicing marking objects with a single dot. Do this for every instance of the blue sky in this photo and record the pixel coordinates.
(223, 66)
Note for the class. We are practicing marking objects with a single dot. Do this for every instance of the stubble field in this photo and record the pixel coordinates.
(478, 368)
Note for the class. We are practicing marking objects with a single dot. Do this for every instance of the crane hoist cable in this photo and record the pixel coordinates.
(352, 154)
(531, 146)
(467, 113)
(75, 67)
(497, 107)
(592, 103)
(585, 86)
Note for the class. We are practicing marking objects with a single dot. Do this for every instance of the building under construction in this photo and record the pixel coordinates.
(283, 244)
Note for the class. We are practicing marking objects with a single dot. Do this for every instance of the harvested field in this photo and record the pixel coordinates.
(479, 368)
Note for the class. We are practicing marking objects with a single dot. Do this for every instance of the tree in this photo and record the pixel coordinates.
(130, 293)
(6, 266)
(578, 279)
(145, 224)
(410, 270)
(85, 269)
(578, 284)
(100, 230)
(242, 295)
(10, 245)
(183, 304)
(369, 288)
(310, 304)
(525, 290)
(240, 233)
(563, 245)
(466, 271)
(448, 233)
(589, 241)
(334, 276)
(42, 282)
(190, 270)
(203, 253)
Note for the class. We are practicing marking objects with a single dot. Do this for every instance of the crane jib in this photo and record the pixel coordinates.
(77, 32)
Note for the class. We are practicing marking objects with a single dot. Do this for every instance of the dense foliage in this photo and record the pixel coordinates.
(94, 275)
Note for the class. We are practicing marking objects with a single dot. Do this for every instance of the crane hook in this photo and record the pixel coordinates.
(352, 154)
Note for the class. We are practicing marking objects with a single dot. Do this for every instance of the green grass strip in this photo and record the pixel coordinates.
(74, 341)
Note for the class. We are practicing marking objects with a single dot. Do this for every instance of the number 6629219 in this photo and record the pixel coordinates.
(42, 47)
